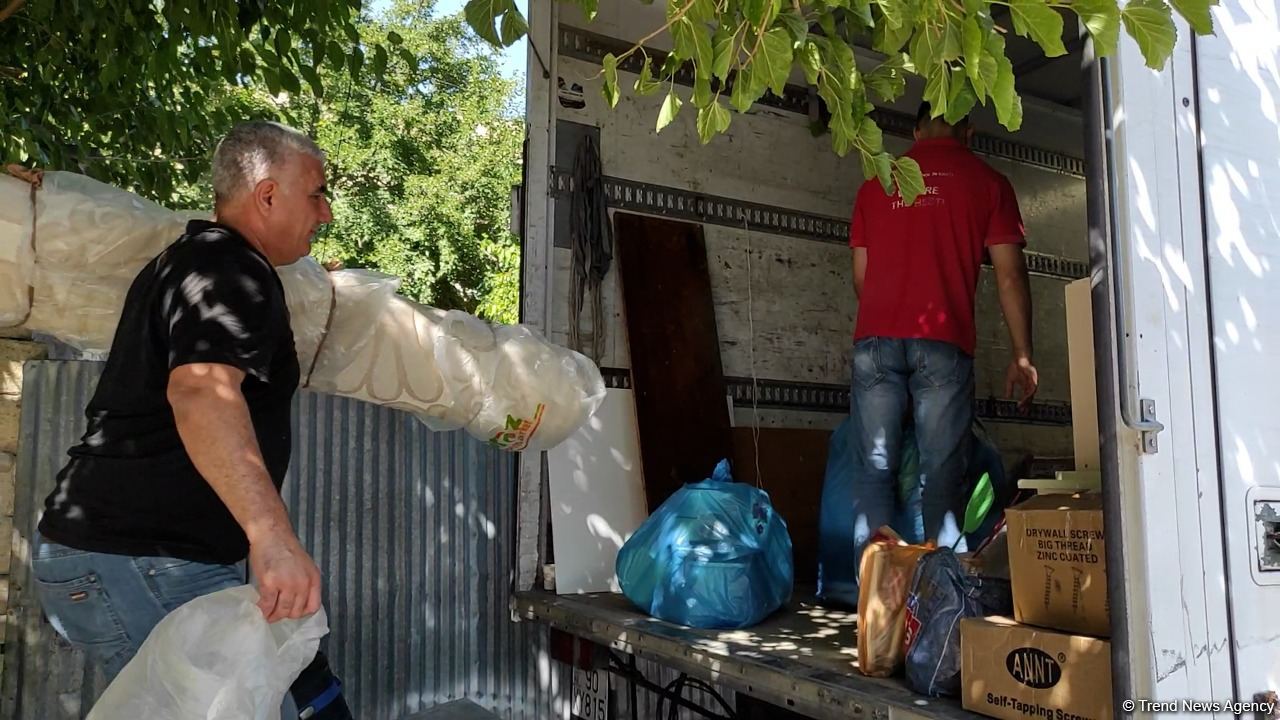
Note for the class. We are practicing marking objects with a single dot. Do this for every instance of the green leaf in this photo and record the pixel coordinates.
(811, 61)
(741, 98)
(889, 40)
(313, 79)
(712, 120)
(284, 42)
(774, 60)
(290, 82)
(926, 50)
(861, 9)
(974, 7)
(248, 63)
(379, 61)
(1036, 20)
(870, 136)
(952, 42)
(972, 44)
(844, 129)
(1197, 14)
(755, 10)
(884, 171)
(702, 96)
(670, 108)
(645, 84)
(1102, 19)
(482, 16)
(514, 27)
(702, 11)
(723, 53)
(590, 8)
(909, 179)
(888, 80)
(1008, 104)
(395, 38)
(962, 98)
(796, 25)
(827, 21)
(272, 79)
(682, 34)
(937, 90)
(895, 12)
(1150, 23)
(980, 503)
(408, 57)
(337, 56)
(610, 87)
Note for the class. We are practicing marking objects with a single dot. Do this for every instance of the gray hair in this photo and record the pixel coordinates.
(249, 153)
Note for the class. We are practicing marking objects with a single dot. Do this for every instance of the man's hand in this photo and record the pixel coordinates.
(288, 579)
(1021, 374)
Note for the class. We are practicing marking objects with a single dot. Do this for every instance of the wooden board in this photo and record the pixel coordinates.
(793, 463)
(675, 352)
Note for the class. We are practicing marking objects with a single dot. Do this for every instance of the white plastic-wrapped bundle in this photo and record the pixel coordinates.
(505, 384)
(321, 301)
(91, 241)
(16, 261)
(355, 337)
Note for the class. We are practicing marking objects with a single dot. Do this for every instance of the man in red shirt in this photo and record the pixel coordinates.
(915, 271)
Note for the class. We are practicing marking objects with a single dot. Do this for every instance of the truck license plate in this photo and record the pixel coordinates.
(590, 694)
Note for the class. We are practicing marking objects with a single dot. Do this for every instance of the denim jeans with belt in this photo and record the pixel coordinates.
(932, 380)
(107, 605)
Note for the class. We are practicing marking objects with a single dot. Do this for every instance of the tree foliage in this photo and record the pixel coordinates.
(741, 49)
(123, 90)
(423, 162)
(412, 111)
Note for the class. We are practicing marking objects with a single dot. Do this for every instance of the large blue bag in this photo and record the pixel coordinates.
(837, 567)
(714, 555)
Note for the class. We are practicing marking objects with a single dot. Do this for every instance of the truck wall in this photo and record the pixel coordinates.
(786, 300)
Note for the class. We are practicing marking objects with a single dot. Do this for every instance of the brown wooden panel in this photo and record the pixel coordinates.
(675, 352)
(793, 463)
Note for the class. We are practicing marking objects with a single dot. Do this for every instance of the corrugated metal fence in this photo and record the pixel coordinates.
(413, 531)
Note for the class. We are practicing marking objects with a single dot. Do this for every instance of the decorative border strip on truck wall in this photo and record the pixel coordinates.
(676, 203)
(822, 397)
(590, 47)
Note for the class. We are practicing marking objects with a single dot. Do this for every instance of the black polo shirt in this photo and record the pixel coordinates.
(130, 487)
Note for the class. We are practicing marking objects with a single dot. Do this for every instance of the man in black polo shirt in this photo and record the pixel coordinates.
(177, 479)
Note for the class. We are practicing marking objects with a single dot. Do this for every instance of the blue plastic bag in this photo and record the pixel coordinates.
(837, 568)
(942, 593)
(714, 555)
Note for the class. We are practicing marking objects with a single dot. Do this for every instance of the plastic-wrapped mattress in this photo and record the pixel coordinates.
(355, 336)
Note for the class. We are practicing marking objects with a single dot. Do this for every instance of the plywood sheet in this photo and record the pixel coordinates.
(597, 496)
(675, 352)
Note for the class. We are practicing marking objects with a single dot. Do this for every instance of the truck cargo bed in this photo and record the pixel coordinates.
(803, 658)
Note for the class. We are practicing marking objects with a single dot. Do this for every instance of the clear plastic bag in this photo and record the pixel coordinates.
(888, 564)
(214, 658)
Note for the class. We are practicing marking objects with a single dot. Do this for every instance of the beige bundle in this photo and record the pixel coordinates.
(884, 578)
(355, 337)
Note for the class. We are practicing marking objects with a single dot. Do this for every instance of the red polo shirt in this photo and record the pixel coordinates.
(923, 261)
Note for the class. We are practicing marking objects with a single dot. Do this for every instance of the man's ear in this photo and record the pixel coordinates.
(263, 194)
(969, 132)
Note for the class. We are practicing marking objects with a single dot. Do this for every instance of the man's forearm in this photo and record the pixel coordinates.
(1014, 288)
(218, 435)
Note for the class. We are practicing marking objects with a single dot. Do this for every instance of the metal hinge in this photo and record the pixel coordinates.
(1148, 426)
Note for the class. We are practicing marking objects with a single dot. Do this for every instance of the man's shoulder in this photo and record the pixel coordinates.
(213, 249)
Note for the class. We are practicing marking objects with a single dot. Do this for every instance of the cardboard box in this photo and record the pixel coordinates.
(1080, 366)
(1058, 563)
(1017, 671)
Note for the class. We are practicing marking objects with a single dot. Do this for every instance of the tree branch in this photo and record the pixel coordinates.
(13, 7)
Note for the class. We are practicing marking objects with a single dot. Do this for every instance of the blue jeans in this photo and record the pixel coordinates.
(107, 605)
(932, 380)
